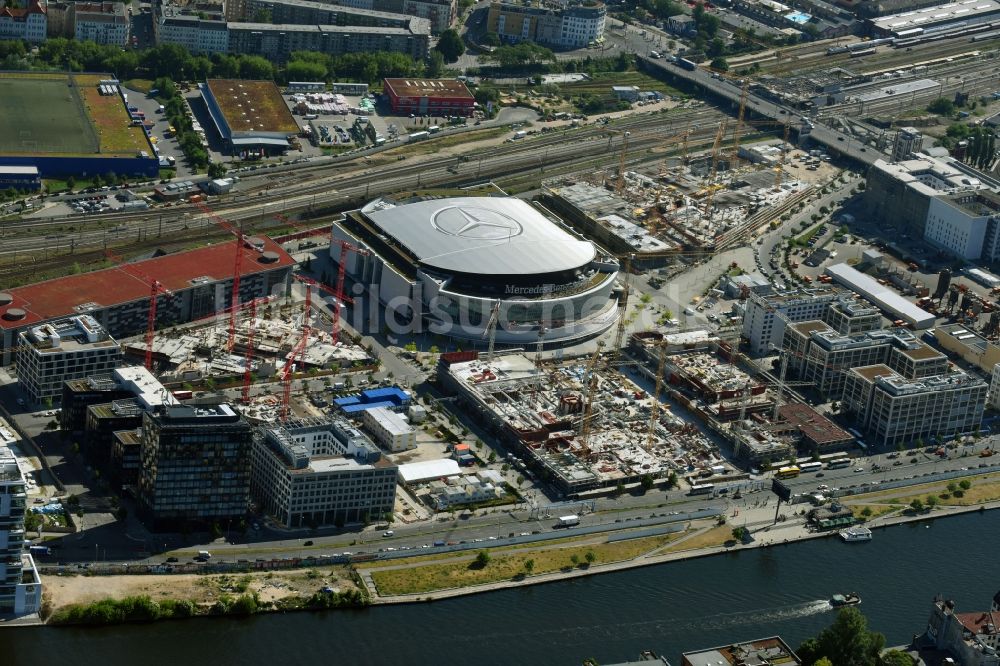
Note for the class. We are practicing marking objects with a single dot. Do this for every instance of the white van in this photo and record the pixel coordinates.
(204, 554)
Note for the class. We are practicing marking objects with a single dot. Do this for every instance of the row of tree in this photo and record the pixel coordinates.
(848, 642)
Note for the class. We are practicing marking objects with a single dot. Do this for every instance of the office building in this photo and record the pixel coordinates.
(771, 651)
(818, 354)
(194, 465)
(126, 449)
(766, 316)
(966, 224)
(390, 430)
(131, 382)
(898, 194)
(61, 350)
(200, 280)
(907, 142)
(434, 97)
(849, 316)
(570, 26)
(899, 411)
(320, 472)
(20, 586)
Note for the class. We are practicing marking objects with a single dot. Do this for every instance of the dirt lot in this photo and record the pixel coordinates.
(201, 589)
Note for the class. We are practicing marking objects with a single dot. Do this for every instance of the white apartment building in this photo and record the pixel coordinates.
(320, 472)
(20, 586)
(104, 23)
(195, 34)
(29, 24)
(390, 429)
(66, 349)
(899, 411)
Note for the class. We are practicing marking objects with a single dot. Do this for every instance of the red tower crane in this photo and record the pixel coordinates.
(237, 265)
(155, 289)
(286, 375)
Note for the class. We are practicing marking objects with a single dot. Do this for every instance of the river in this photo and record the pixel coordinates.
(668, 608)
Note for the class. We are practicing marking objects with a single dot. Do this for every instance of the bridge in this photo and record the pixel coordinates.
(836, 142)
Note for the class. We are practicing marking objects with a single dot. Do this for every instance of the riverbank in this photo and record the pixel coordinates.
(762, 534)
(320, 588)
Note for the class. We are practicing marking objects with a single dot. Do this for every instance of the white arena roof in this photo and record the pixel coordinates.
(428, 470)
(485, 235)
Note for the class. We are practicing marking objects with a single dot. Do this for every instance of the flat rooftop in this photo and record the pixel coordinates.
(807, 328)
(814, 426)
(965, 336)
(935, 14)
(870, 372)
(882, 296)
(439, 88)
(76, 294)
(771, 651)
(921, 352)
(252, 106)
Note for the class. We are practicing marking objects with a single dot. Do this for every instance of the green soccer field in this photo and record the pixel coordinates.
(43, 115)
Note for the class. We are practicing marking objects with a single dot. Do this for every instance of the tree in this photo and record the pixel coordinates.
(740, 533)
(435, 64)
(917, 505)
(672, 480)
(932, 501)
(646, 482)
(70, 183)
(482, 559)
(720, 64)
(896, 658)
(529, 566)
(847, 642)
(575, 559)
(491, 39)
(943, 106)
(965, 484)
(590, 556)
(450, 45)
(217, 170)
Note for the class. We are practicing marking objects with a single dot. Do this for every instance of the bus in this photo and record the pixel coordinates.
(787, 472)
(808, 467)
(838, 463)
(702, 489)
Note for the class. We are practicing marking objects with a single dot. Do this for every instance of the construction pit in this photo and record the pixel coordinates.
(582, 425)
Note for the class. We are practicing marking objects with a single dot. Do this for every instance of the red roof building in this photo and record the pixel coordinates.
(432, 97)
(200, 282)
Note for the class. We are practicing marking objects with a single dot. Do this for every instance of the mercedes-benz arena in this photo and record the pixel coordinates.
(446, 264)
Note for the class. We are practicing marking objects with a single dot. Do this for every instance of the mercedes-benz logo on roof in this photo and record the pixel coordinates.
(475, 223)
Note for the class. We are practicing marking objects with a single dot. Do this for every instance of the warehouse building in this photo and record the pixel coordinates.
(431, 97)
(896, 410)
(454, 264)
(250, 116)
(320, 472)
(914, 22)
(200, 281)
(26, 178)
(969, 345)
(892, 304)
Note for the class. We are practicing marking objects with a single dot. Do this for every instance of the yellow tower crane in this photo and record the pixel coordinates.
(654, 410)
(590, 389)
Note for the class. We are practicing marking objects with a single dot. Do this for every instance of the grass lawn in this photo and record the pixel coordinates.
(804, 238)
(716, 536)
(141, 85)
(116, 134)
(501, 567)
(985, 488)
(876, 509)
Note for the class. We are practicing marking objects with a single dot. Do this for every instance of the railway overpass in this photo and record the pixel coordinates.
(835, 141)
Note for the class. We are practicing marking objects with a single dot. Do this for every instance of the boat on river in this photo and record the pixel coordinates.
(855, 534)
(840, 600)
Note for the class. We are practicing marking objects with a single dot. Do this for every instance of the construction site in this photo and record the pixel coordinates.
(583, 425)
(685, 205)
